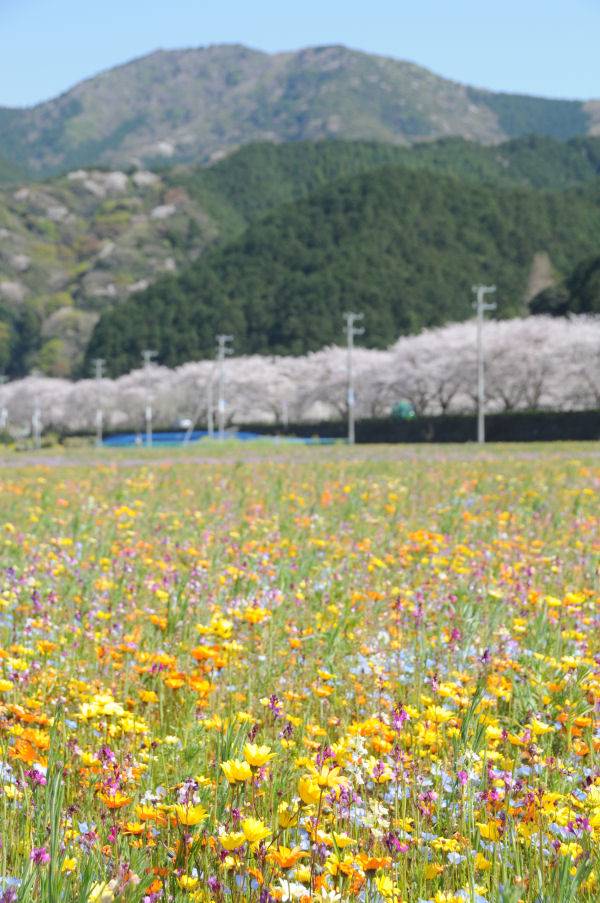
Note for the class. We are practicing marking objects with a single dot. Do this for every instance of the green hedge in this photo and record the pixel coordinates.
(521, 426)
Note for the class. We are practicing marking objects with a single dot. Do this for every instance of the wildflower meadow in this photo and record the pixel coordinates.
(312, 674)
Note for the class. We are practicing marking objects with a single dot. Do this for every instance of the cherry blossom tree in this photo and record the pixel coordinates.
(530, 363)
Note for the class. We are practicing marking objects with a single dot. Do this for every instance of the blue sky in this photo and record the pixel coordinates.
(542, 47)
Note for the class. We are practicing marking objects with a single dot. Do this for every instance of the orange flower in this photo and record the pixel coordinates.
(285, 857)
(115, 800)
(370, 864)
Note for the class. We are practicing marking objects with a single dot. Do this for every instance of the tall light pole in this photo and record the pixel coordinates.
(351, 330)
(481, 305)
(99, 365)
(147, 357)
(223, 350)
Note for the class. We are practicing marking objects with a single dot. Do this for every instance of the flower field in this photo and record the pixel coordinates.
(318, 675)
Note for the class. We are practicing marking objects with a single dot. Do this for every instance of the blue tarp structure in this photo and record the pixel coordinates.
(178, 437)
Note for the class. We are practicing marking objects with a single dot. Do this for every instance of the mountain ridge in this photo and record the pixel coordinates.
(198, 104)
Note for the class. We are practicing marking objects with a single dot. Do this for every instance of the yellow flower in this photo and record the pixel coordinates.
(232, 840)
(190, 815)
(482, 863)
(69, 865)
(103, 893)
(309, 792)
(438, 714)
(385, 886)
(287, 815)
(326, 776)
(254, 830)
(236, 771)
(540, 727)
(256, 756)
(186, 882)
(488, 831)
(342, 840)
(432, 870)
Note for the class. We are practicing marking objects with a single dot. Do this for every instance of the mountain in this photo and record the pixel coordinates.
(402, 246)
(197, 105)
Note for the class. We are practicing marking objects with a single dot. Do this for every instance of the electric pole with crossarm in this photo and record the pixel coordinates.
(99, 365)
(223, 350)
(147, 357)
(481, 305)
(351, 330)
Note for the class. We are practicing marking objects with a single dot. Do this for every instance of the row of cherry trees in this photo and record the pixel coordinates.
(533, 363)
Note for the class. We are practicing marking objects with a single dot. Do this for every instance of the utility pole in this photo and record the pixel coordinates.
(3, 411)
(210, 423)
(147, 357)
(351, 330)
(36, 419)
(223, 350)
(99, 365)
(481, 305)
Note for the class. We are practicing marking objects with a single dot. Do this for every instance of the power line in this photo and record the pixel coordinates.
(481, 305)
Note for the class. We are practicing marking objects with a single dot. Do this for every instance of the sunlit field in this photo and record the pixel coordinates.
(308, 674)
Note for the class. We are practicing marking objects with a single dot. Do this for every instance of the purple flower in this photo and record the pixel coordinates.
(275, 705)
(39, 855)
(399, 716)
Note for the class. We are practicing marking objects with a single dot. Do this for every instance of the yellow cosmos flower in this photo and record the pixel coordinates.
(236, 771)
(190, 815)
(257, 756)
(254, 830)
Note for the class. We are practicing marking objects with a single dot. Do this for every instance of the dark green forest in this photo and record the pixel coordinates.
(579, 293)
(259, 177)
(403, 246)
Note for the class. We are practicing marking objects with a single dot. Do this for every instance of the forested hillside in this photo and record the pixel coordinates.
(403, 246)
(259, 177)
(579, 293)
(80, 244)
